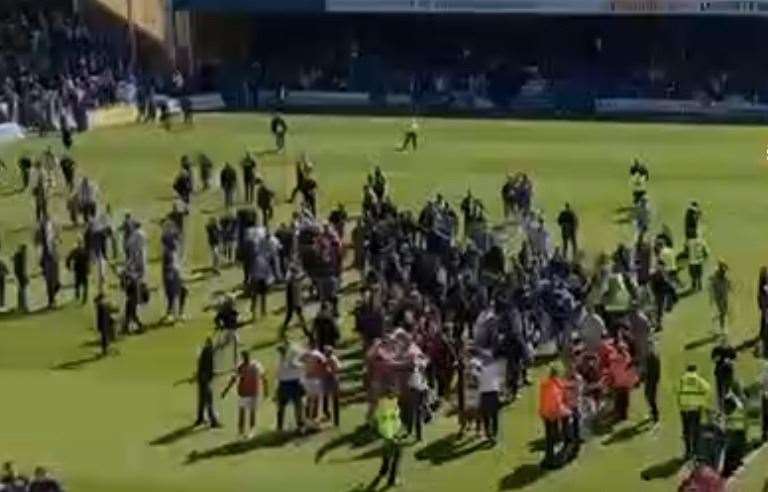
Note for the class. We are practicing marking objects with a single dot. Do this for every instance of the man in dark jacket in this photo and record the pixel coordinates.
(204, 377)
(79, 263)
(249, 177)
(265, 198)
(22, 277)
(105, 321)
(651, 379)
(569, 224)
(228, 180)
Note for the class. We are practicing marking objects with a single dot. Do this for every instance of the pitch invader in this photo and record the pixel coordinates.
(411, 137)
(638, 180)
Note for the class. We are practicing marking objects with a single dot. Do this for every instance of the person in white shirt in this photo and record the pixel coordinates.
(471, 417)
(290, 370)
(489, 385)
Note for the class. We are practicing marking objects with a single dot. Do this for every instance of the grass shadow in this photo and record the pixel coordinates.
(522, 476)
(628, 432)
(273, 439)
(701, 342)
(662, 470)
(77, 363)
(174, 435)
(362, 436)
(448, 448)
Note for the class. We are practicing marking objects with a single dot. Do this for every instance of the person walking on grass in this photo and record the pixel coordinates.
(251, 386)
(79, 263)
(651, 378)
(411, 136)
(553, 412)
(290, 370)
(720, 288)
(569, 225)
(105, 321)
(204, 374)
(388, 425)
(693, 393)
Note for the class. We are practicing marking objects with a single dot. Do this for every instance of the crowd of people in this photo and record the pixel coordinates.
(54, 69)
(444, 320)
(12, 480)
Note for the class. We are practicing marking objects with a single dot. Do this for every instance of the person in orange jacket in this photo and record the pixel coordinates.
(554, 411)
(621, 377)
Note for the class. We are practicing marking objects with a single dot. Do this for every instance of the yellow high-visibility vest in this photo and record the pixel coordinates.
(693, 392)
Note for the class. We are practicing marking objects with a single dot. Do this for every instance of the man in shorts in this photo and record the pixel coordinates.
(251, 385)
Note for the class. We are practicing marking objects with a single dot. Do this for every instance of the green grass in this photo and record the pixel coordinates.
(93, 424)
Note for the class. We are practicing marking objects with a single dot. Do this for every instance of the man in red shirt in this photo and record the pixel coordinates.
(251, 385)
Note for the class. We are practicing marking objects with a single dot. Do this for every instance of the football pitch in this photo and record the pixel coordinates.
(121, 423)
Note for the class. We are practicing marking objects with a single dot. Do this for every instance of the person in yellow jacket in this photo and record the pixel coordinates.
(693, 396)
(697, 252)
(411, 136)
(388, 424)
(638, 182)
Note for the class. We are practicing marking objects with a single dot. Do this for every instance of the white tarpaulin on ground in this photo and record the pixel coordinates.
(10, 132)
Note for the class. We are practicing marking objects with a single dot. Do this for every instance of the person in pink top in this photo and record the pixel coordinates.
(314, 374)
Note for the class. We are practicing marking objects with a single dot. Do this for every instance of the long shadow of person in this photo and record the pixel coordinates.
(358, 438)
(662, 470)
(174, 435)
(449, 448)
(274, 439)
(522, 476)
